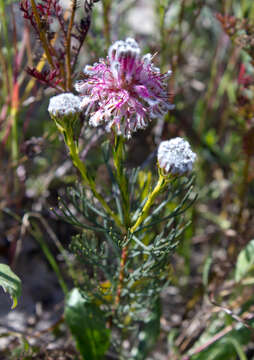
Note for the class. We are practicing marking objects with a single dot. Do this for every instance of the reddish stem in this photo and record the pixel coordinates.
(210, 342)
(121, 275)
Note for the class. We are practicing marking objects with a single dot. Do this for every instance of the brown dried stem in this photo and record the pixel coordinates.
(42, 35)
(68, 45)
(216, 337)
(106, 19)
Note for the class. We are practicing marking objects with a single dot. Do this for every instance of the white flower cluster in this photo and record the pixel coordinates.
(175, 156)
(64, 105)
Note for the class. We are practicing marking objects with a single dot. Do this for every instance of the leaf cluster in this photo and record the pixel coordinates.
(99, 244)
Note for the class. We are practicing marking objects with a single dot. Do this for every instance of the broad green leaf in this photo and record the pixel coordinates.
(87, 325)
(11, 283)
(245, 261)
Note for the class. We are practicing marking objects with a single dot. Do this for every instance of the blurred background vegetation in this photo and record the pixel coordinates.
(209, 45)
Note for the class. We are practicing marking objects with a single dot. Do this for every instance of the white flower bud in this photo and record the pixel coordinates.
(64, 105)
(175, 156)
(65, 110)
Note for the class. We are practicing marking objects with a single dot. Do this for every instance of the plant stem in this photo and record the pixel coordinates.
(106, 12)
(39, 68)
(38, 236)
(161, 9)
(121, 276)
(118, 156)
(4, 72)
(215, 338)
(180, 31)
(74, 153)
(7, 44)
(159, 186)
(14, 137)
(35, 231)
(243, 191)
(42, 34)
(14, 119)
(68, 46)
(78, 163)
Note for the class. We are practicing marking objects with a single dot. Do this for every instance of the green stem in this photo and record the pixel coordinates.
(243, 192)
(78, 163)
(14, 138)
(37, 235)
(158, 188)
(6, 39)
(122, 180)
(35, 231)
(106, 20)
(14, 122)
(74, 153)
(161, 9)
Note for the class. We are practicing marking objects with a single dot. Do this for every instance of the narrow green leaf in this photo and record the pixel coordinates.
(245, 261)
(206, 270)
(238, 348)
(11, 283)
(87, 325)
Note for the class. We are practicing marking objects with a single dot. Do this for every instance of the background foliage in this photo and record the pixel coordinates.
(207, 310)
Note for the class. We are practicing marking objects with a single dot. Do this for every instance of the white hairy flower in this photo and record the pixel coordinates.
(64, 105)
(175, 156)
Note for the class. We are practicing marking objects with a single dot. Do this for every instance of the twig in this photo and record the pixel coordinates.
(209, 342)
(217, 337)
(42, 35)
(68, 46)
(106, 12)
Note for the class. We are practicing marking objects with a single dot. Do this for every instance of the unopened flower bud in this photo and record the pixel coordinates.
(175, 156)
(65, 110)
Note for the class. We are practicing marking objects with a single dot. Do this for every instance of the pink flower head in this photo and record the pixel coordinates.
(125, 90)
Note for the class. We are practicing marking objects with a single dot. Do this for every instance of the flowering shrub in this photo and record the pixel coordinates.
(130, 267)
(131, 191)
